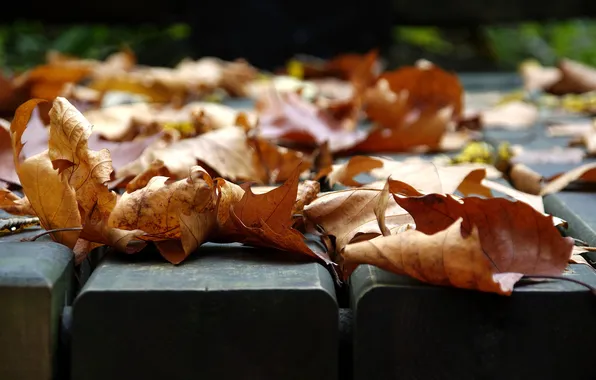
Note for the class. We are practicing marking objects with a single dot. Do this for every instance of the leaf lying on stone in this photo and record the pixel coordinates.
(471, 243)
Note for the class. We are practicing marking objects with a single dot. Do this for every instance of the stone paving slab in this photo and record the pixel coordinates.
(227, 312)
(35, 286)
(404, 329)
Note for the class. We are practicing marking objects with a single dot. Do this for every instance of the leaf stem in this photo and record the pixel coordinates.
(33, 238)
(563, 278)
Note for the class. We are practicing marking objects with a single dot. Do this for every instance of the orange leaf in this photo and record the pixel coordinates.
(15, 205)
(428, 87)
(515, 236)
(473, 243)
(266, 220)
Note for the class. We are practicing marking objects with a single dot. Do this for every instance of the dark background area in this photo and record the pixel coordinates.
(457, 34)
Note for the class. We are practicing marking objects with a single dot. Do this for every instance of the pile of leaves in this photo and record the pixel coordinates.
(171, 167)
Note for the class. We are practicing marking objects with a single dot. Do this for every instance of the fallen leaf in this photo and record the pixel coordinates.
(276, 164)
(537, 77)
(430, 177)
(531, 199)
(15, 205)
(289, 118)
(189, 77)
(348, 215)
(554, 155)
(156, 169)
(128, 121)
(423, 131)
(7, 170)
(577, 257)
(166, 210)
(425, 87)
(472, 243)
(226, 151)
(345, 173)
(558, 182)
(122, 153)
(576, 78)
(570, 129)
(65, 184)
(307, 192)
(342, 66)
(511, 115)
(265, 220)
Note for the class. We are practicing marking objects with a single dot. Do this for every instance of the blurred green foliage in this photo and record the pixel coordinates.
(24, 44)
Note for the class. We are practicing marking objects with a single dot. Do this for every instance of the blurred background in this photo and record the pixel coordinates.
(458, 35)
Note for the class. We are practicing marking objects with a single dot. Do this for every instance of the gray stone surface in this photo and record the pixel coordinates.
(35, 285)
(227, 312)
(404, 329)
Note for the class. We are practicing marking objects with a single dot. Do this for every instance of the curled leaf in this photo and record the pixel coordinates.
(185, 210)
(266, 220)
(472, 243)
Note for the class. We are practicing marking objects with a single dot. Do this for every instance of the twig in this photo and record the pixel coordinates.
(33, 238)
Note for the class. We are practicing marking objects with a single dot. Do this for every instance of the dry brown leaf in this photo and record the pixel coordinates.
(532, 199)
(275, 164)
(425, 86)
(307, 192)
(537, 77)
(349, 215)
(525, 179)
(155, 169)
(226, 151)
(342, 66)
(431, 177)
(345, 173)
(570, 129)
(418, 131)
(576, 78)
(167, 210)
(287, 117)
(554, 155)
(558, 182)
(265, 220)
(577, 257)
(189, 77)
(15, 205)
(511, 115)
(65, 184)
(472, 243)
(8, 172)
(127, 121)
(38, 178)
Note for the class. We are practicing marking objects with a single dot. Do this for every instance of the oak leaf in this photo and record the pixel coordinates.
(472, 243)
